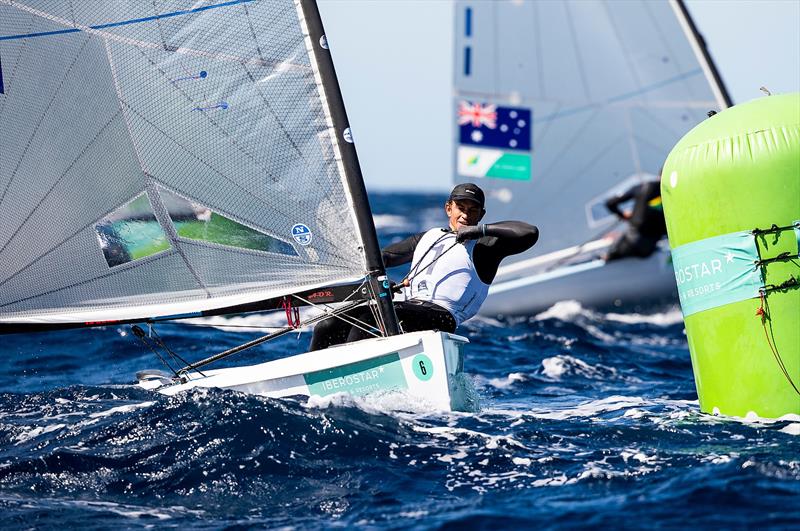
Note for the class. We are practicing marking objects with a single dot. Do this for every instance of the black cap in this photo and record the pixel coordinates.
(467, 191)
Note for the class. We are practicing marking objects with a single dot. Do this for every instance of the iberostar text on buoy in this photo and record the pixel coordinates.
(731, 196)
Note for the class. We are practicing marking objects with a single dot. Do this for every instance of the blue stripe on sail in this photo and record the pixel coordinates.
(468, 22)
(176, 316)
(467, 60)
(2, 91)
(621, 97)
(125, 22)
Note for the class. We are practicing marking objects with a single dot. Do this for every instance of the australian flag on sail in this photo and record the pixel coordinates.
(491, 126)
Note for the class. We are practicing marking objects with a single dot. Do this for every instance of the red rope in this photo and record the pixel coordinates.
(292, 313)
(773, 348)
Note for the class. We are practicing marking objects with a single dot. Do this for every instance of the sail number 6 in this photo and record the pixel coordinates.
(423, 367)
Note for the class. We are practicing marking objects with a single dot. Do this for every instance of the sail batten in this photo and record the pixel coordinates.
(165, 159)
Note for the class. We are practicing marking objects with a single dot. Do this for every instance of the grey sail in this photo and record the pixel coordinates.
(165, 158)
(561, 104)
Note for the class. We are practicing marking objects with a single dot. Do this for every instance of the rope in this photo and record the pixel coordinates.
(788, 283)
(773, 229)
(349, 319)
(417, 269)
(763, 313)
(783, 257)
(139, 333)
(216, 357)
(292, 314)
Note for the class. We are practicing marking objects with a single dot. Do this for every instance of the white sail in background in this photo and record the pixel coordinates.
(561, 104)
(164, 157)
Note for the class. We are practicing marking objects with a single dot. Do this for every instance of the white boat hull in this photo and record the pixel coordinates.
(629, 282)
(425, 365)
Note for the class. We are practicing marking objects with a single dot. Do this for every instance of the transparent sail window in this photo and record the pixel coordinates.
(194, 221)
(131, 232)
(597, 213)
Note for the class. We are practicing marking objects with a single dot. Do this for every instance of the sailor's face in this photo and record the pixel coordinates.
(462, 213)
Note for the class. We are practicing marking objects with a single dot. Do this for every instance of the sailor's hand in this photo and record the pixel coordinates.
(398, 288)
(469, 232)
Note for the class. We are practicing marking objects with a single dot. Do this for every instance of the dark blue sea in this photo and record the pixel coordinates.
(584, 419)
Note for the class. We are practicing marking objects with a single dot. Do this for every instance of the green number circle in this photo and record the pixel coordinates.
(423, 367)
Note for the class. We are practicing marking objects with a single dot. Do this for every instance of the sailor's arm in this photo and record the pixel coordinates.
(496, 241)
(511, 236)
(612, 203)
(401, 252)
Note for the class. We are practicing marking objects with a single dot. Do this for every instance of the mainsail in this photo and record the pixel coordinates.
(561, 104)
(166, 158)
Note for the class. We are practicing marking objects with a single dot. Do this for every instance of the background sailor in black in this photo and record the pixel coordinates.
(466, 250)
(646, 225)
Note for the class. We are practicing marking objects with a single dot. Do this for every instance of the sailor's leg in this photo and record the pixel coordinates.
(331, 331)
(623, 246)
(645, 247)
(365, 321)
(415, 316)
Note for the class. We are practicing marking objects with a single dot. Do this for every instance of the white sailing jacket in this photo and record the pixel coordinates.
(443, 272)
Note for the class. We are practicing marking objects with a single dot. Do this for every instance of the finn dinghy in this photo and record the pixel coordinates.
(561, 105)
(179, 159)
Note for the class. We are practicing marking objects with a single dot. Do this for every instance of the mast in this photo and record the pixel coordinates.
(701, 51)
(320, 54)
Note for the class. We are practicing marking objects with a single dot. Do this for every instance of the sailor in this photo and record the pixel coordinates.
(646, 225)
(451, 270)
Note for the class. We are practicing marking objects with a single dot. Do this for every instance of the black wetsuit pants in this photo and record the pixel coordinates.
(414, 316)
(632, 244)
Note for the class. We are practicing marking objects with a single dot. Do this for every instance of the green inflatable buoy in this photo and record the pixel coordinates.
(731, 197)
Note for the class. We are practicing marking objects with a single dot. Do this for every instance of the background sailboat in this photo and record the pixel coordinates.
(560, 105)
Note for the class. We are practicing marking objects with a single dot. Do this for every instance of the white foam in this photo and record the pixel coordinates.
(508, 381)
(752, 418)
(557, 366)
(564, 310)
(593, 408)
(121, 409)
(35, 432)
(554, 367)
(638, 456)
(461, 454)
(670, 317)
(556, 481)
(395, 402)
(571, 310)
(791, 429)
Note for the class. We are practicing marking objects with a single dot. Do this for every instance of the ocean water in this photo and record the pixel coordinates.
(582, 419)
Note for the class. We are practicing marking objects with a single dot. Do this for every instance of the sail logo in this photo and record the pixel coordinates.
(493, 163)
(302, 234)
(200, 75)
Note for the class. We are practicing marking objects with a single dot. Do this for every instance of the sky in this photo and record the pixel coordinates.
(394, 61)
